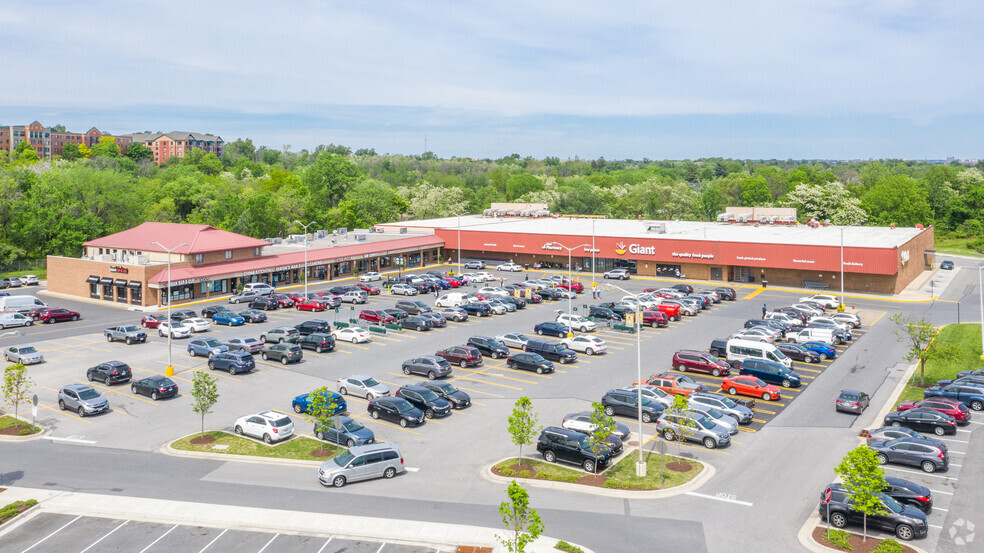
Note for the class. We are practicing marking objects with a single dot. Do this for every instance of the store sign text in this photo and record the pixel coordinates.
(693, 255)
(119, 269)
(810, 261)
(743, 258)
(552, 247)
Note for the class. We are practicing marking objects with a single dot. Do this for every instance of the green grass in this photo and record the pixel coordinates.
(298, 447)
(967, 339)
(42, 274)
(620, 476)
(7, 421)
(13, 509)
(956, 246)
(564, 546)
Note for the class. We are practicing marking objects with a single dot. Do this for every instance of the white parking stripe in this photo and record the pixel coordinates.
(268, 543)
(213, 541)
(955, 465)
(940, 491)
(325, 545)
(158, 539)
(381, 546)
(52, 534)
(938, 509)
(920, 472)
(105, 536)
(934, 526)
(952, 440)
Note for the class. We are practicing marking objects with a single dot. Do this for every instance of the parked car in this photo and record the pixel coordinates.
(446, 390)
(653, 393)
(552, 329)
(403, 290)
(929, 455)
(318, 341)
(750, 386)
(311, 304)
(825, 351)
(626, 403)
(946, 265)
(852, 401)
(110, 372)
(280, 335)
(435, 319)
(576, 322)
(283, 352)
(397, 314)
(416, 322)
(889, 433)
(698, 361)
(302, 403)
(904, 521)
(463, 356)
(395, 409)
(433, 405)
(755, 335)
(197, 324)
(923, 420)
(530, 362)
(909, 493)
(430, 365)
(312, 326)
(798, 352)
(82, 399)
(23, 354)
(455, 314)
(270, 426)
(371, 276)
(376, 316)
(582, 423)
(354, 335)
(972, 396)
(205, 347)
(826, 300)
(249, 345)
(362, 386)
(570, 446)
(243, 297)
(211, 310)
(955, 409)
(233, 361)
(175, 329)
(265, 303)
(742, 414)
(585, 344)
(655, 319)
(155, 387)
(126, 333)
(362, 462)
(719, 417)
(488, 346)
(30, 280)
(509, 267)
(344, 431)
(554, 351)
(619, 274)
(59, 314)
(513, 340)
(771, 372)
(692, 426)
(674, 384)
(475, 265)
(477, 309)
(151, 321)
(369, 290)
(183, 315)
(228, 318)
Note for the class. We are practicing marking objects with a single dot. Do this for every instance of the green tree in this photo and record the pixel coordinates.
(106, 147)
(830, 200)
(135, 151)
(204, 394)
(897, 199)
(522, 183)
(16, 387)
(919, 336)
(322, 407)
(602, 428)
(755, 192)
(523, 424)
(864, 479)
(70, 152)
(365, 152)
(370, 202)
(58, 128)
(521, 520)
(209, 164)
(328, 178)
(24, 153)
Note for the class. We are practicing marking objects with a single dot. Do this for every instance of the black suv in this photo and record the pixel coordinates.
(265, 303)
(110, 372)
(413, 307)
(905, 521)
(570, 446)
(554, 351)
(313, 327)
(719, 348)
(426, 400)
(318, 342)
(489, 346)
(212, 310)
(726, 293)
(625, 403)
(685, 288)
(600, 312)
(183, 314)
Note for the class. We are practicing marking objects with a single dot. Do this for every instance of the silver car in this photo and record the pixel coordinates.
(719, 417)
(25, 355)
(692, 426)
(654, 394)
(362, 386)
(455, 314)
(513, 340)
(82, 399)
(243, 297)
(728, 406)
(361, 462)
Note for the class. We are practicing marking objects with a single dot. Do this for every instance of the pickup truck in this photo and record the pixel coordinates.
(125, 333)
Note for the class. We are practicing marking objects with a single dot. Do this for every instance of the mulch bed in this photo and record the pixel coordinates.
(15, 430)
(203, 440)
(860, 546)
(321, 453)
(473, 549)
(679, 466)
(23, 508)
(596, 480)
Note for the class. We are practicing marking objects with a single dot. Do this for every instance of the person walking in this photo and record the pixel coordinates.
(526, 277)
(764, 310)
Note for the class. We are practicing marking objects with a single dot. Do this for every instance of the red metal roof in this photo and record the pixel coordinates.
(200, 239)
(296, 259)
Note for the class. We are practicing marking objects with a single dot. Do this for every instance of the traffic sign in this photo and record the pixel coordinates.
(826, 496)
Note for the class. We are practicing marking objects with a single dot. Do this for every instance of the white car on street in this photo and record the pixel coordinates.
(269, 426)
(198, 324)
(577, 322)
(509, 267)
(403, 290)
(826, 300)
(175, 329)
(371, 276)
(29, 280)
(585, 344)
(351, 334)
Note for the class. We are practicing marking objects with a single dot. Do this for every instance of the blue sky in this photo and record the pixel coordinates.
(762, 79)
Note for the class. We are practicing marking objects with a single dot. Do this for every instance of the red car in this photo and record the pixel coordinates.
(655, 318)
(376, 316)
(671, 311)
(955, 409)
(311, 305)
(463, 356)
(750, 386)
(59, 314)
(36, 312)
(368, 289)
(285, 300)
(701, 362)
(151, 321)
(575, 286)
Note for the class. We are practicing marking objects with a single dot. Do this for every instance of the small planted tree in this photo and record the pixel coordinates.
(522, 521)
(919, 337)
(523, 424)
(16, 387)
(602, 428)
(679, 408)
(322, 407)
(864, 479)
(204, 394)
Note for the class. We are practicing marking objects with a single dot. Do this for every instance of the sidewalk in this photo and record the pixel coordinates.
(438, 535)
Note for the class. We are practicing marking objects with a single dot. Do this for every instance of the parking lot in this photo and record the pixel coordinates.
(60, 532)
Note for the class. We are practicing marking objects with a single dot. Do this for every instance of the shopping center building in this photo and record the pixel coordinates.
(130, 267)
(875, 259)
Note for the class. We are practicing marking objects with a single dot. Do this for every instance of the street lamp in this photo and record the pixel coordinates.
(842, 266)
(305, 227)
(169, 370)
(569, 279)
(458, 215)
(641, 463)
(980, 293)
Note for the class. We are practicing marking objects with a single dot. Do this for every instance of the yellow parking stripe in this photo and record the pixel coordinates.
(681, 444)
(472, 379)
(757, 410)
(347, 344)
(366, 416)
(67, 414)
(478, 392)
(279, 366)
(490, 367)
(760, 420)
(104, 388)
(743, 429)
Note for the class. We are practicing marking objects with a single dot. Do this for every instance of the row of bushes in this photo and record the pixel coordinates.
(15, 508)
(506, 471)
(842, 540)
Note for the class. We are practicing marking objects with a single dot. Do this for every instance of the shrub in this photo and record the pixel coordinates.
(564, 546)
(889, 545)
(610, 484)
(24, 431)
(841, 540)
(524, 474)
(572, 478)
(506, 471)
(543, 476)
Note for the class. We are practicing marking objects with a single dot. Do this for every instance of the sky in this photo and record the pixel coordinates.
(620, 80)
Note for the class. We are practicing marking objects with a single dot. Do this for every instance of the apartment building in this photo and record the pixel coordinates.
(177, 143)
(49, 143)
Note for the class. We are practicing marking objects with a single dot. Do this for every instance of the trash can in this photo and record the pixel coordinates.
(765, 284)
(526, 266)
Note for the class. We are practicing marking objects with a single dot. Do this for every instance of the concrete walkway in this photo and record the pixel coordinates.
(444, 537)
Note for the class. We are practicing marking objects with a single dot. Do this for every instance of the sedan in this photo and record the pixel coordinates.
(244, 297)
(756, 335)
(396, 409)
(25, 355)
(530, 362)
(825, 351)
(852, 401)
(228, 318)
(514, 340)
(446, 390)
(955, 409)
(586, 344)
(345, 431)
(375, 316)
(889, 433)
(252, 316)
(509, 267)
(302, 403)
(354, 335)
(151, 321)
(436, 319)
(362, 386)
(249, 345)
(552, 329)
(946, 265)
(205, 347)
(155, 387)
(198, 324)
(798, 352)
(371, 276)
(175, 329)
(909, 493)
(750, 386)
(923, 420)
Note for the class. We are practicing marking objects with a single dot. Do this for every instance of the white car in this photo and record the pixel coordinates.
(784, 317)
(198, 324)
(370, 277)
(826, 300)
(509, 267)
(494, 291)
(585, 344)
(564, 293)
(175, 329)
(472, 277)
(754, 335)
(403, 290)
(485, 276)
(582, 423)
(577, 322)
(362, 386)
(351, 334)
(620, 274)
(514, 340)
(654, 394)
(840, 325)
(269, 426)
(496, 308)
(29, 280)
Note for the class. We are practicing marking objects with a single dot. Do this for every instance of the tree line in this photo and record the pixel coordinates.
(51, 207)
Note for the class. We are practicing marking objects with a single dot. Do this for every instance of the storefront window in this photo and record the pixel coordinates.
(179, 293)
(136, 292)
(107, 292)
(362, 265)
(121, 294)
(93, 290)
(385, 262)
(668, 270)
(213, 286)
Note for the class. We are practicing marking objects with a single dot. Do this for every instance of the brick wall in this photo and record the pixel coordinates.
(67, 275)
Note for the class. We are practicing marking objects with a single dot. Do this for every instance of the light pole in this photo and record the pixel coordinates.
(980, 293)
(842, 266)
(458, 215)
(169, 370)
(570, 282)
(305, 227)
(641, 463)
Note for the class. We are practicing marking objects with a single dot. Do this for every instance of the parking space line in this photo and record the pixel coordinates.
(381, 546)
(478, 392)
(144, 550)
(760, 420)
(58, 410)
(159, 373)
(679, 443)
(213, 541)
(806, 369)
(51, 534)
(940, 491)
(378, 337)
(490, 367)
(462, 377)
(134, 396)
(325, 545)
(268, 543)
(877, 319)
(105, 536)
(280, 366)
(920, 472)
(743, 429)
(353, 345)
(757, 410)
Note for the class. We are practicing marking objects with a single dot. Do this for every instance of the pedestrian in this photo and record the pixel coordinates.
(764, 310)
(437, 294)
(526, 277)
(678, 273)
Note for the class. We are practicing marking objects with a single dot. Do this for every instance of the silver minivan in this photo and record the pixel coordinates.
(361, 462)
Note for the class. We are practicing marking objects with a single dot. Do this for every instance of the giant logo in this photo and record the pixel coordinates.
(620, 248)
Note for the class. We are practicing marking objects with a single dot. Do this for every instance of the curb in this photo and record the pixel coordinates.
(706, 474)
(906, 376)
(36, 436)
(168, 450)
(805, 536)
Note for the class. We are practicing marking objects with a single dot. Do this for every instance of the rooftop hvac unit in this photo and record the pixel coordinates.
(403, 230)
(322, 233)
(142, 260)
(270, 240)
(105, 258)
(342, 230)
(655, 227)
(726, 218)
(360, 238)
(743, 217)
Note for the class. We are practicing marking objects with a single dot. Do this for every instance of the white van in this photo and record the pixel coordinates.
(258, 287)
(825, 335)
(451, 299)
(10, 320)
(739, 350)
(20, 304)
